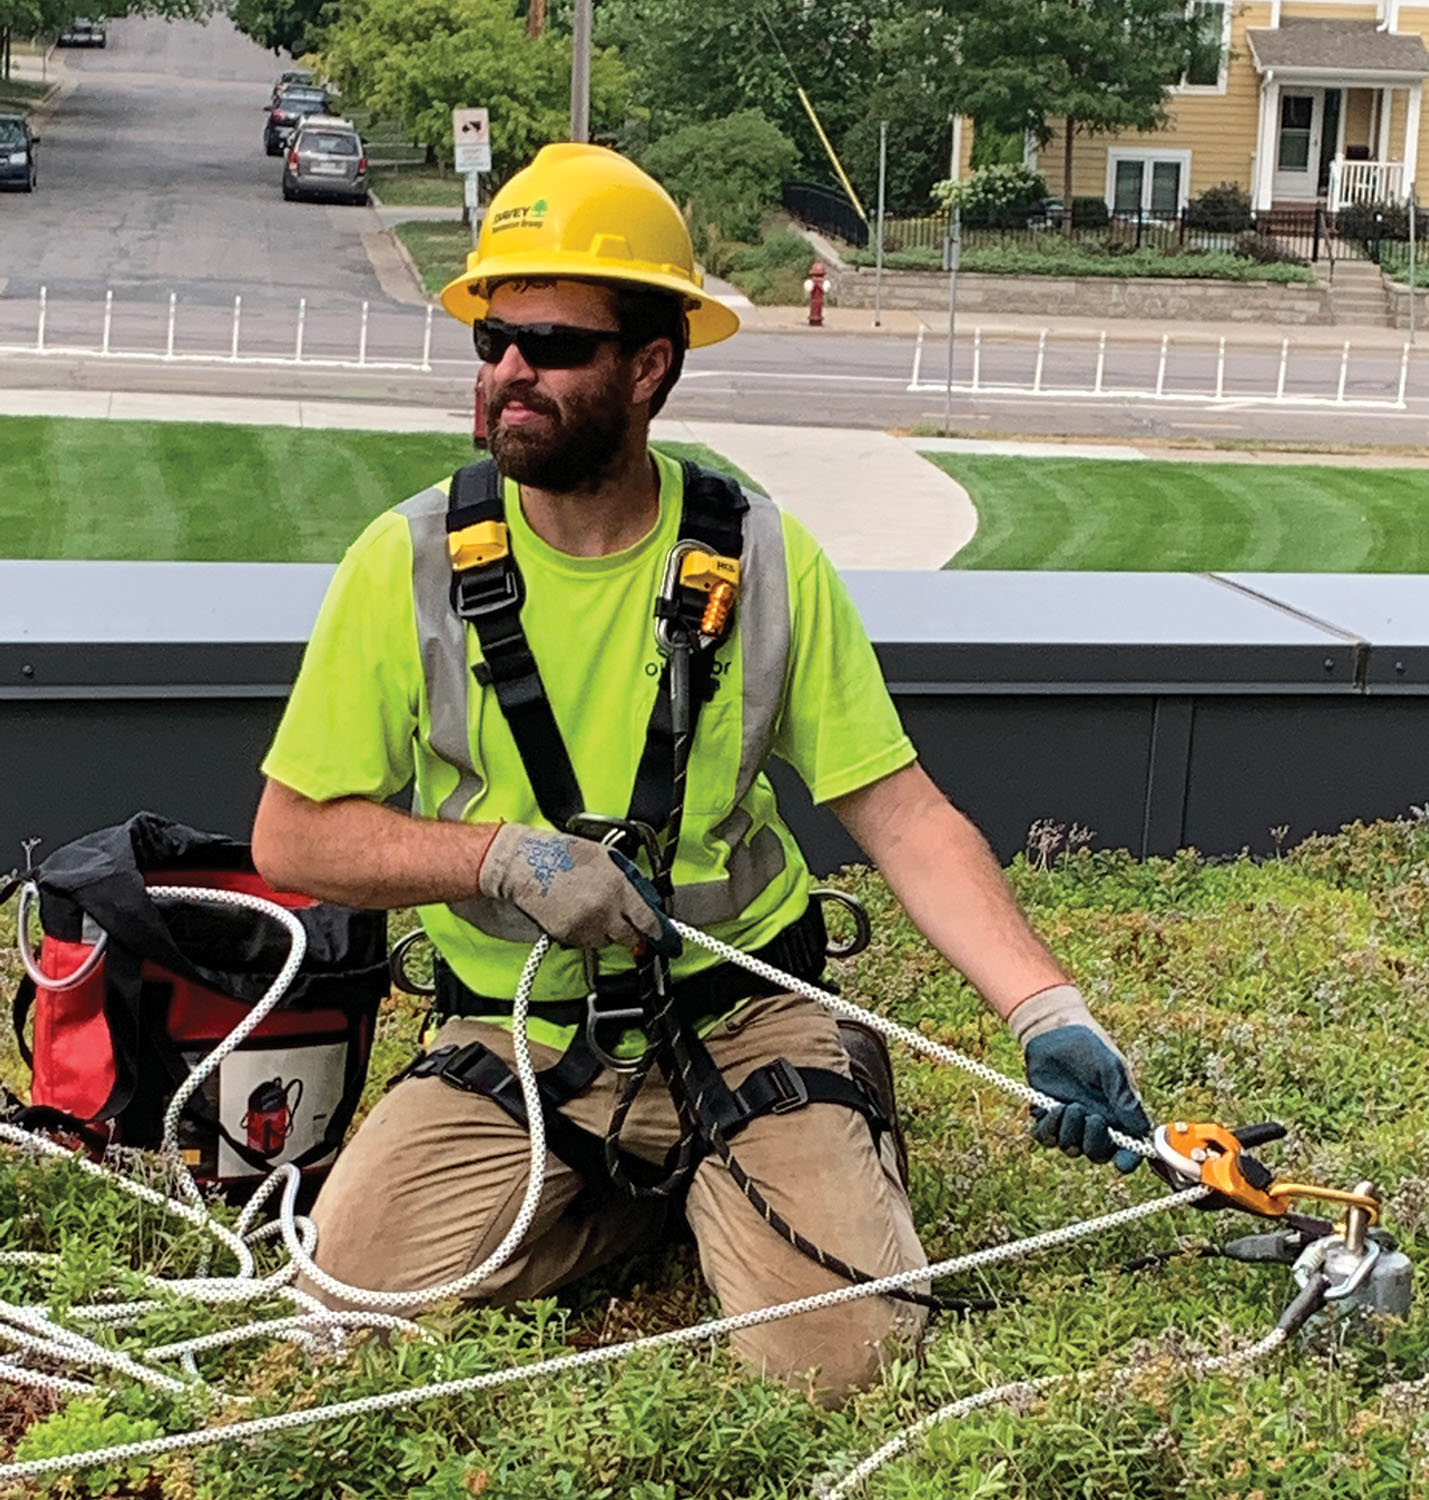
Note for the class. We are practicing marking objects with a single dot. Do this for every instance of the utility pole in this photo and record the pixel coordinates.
(1413, 266)
(952, 254)
(580, 71)
(882, 184)
(535, 17)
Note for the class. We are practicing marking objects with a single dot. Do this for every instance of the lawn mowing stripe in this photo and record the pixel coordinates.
(213, 492)
(1036, 513)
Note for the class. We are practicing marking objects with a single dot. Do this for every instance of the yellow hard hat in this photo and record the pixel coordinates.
(587, 213)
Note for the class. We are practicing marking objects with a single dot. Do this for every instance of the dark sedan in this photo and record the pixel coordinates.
(17, 153)
(289, 108)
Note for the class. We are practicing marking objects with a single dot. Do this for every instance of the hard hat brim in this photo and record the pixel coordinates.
(711, 321)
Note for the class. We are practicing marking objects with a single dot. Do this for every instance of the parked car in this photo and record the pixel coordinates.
(290, 78)
(17, 153)
(292, 104)
(82, 32)
(326, 159)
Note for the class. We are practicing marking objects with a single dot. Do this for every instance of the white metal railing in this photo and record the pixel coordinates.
(1365, 182)
(290, 351)
(1200, 370)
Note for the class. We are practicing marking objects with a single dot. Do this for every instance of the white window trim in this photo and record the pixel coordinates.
(1219, 86)
(1147, 154)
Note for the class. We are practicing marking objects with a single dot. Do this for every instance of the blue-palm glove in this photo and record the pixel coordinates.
(1070, 1057)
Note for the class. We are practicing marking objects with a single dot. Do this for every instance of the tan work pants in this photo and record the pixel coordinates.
(435, 1176)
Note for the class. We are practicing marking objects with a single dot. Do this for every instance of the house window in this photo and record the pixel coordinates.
(1148, 182)
(1205, 67)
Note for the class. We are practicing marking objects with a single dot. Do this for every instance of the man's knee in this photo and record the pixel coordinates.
(834, 1353)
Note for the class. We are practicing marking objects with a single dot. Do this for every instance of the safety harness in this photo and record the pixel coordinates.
(693, 616)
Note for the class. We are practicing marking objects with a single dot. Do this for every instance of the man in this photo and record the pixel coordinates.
(521, 647)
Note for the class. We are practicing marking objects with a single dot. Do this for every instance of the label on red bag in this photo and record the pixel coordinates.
(277, 1101)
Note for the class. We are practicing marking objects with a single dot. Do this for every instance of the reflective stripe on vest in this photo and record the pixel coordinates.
(763, 627)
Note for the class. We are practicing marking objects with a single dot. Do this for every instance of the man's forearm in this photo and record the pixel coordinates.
(361, 853)
(942, 871)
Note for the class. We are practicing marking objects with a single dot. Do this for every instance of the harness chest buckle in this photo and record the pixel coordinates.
(485, 591)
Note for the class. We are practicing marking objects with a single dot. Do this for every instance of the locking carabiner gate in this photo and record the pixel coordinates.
(1218, 1159)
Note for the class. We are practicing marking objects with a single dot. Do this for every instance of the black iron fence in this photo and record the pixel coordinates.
(1373, 232)
(828, 210)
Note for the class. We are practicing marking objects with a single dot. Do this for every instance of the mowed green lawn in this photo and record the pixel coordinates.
(209, 492)
(1195, 516)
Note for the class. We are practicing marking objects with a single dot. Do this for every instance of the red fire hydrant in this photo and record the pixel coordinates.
(814, 290)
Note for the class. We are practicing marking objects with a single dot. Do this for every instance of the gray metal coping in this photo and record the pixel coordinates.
(1388, 612)
(77, 629)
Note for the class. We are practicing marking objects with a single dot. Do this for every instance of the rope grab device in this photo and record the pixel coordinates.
(1336, 1266)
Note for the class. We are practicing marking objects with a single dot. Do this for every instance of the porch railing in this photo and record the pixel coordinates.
(1364, 182)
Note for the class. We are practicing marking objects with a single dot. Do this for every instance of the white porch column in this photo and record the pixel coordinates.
(1411, 139)
(1266, 142)
(1386, 108)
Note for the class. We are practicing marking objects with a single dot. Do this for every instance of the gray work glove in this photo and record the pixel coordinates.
(1071, 1058)
(581, 893)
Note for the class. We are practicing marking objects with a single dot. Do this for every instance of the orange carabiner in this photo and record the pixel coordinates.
(1211, 1155)
(1217, 1158)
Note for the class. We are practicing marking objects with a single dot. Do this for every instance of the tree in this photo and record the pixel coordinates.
(1097, 65)
(726, 174)
(280, 25)
(694, 60)
(417, 60)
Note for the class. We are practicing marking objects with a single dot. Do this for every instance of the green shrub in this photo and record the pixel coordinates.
(725, 174)
(1004, 197)
(1266, 250)
(1225, 207)
(1373, 221)
(772, 272)
(1050, 255)
(1090, 213)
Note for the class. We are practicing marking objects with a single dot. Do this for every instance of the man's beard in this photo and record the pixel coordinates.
(574, 450)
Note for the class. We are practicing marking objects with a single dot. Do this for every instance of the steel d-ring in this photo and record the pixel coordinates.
(862, 926)
(397, 964)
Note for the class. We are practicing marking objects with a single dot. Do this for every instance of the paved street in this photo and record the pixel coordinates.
(153, 178)
(155, 185)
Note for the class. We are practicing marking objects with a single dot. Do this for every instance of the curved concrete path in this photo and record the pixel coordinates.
(871, 501)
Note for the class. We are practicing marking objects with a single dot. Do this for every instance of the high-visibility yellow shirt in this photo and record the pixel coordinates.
(357, 722)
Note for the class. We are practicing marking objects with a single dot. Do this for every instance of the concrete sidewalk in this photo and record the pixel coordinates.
(900, 323)
(867, 497)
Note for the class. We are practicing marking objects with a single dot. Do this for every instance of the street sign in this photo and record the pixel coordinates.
(471, 140)
(469, 190)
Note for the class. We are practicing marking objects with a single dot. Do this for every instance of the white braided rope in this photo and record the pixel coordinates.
(297, 1238)
(915, 1041)
(608, 1354)
(59, 1385)
(1028, 1390)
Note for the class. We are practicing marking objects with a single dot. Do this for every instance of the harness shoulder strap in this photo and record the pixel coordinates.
(712, 514)
(488, 593)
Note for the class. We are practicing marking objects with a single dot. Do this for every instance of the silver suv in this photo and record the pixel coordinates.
(325, 159)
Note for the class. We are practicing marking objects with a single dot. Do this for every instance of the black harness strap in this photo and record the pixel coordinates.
(490, 596)
(475, 1069)
(775, 1089)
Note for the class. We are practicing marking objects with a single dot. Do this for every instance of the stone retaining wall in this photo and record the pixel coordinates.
(1397, 297)
(1164, 298)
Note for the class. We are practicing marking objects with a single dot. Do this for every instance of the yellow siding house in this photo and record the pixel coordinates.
(1305, 102)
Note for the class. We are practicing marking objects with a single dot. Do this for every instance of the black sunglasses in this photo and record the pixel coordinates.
(544, 346)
